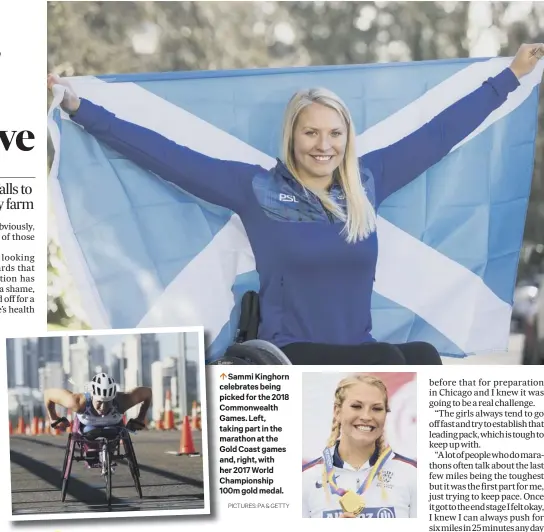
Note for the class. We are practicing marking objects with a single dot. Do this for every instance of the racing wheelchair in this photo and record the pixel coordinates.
(106, 443)
(247, 349)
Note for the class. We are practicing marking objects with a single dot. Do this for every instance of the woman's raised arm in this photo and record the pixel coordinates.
(396, 165)
(218, 181)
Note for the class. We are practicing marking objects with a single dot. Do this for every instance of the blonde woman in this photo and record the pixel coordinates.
(359, 475)
(311, 220)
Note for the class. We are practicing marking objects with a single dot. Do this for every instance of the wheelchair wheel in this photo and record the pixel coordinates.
(67, 467)
(133, 464)
(229, 360)
(107, 466)
(252, 355)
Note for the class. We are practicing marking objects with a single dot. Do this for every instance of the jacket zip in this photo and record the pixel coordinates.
(329, 215)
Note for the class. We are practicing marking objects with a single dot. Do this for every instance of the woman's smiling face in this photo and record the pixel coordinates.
(362, 414)
(319, 142)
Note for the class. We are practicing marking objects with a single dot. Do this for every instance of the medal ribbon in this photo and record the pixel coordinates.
(376, 468)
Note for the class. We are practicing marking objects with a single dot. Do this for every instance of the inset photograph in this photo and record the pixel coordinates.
(359, 453)
(103, 423)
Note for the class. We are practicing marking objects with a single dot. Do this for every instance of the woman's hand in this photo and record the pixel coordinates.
(526, 59)
(346, 515)
(70, 102)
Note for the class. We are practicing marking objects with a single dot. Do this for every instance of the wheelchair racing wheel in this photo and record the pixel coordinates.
(132, 463)
(68, 457)
(107, 466)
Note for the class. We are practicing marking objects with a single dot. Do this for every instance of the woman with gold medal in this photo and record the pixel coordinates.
(359, 475)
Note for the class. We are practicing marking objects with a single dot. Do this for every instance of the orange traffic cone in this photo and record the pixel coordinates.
(159, 425)
(10, 428)
(21, 429)
(34, 426)
(194, 417)
(186, 444)
(40, 426)
(168, 412)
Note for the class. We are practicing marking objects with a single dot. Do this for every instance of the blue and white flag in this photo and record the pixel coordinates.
(144, 253)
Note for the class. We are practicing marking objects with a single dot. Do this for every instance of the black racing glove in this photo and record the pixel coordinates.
(62, 421)
(135, 424)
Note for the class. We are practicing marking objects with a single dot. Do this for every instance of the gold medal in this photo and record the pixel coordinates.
(352, 503)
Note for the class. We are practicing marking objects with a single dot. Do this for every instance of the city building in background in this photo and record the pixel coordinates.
(166, 362)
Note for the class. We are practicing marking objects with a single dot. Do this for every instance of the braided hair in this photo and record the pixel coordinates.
(339, 398)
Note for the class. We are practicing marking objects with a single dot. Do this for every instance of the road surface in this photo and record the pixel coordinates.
(169, 482)
(512, 357)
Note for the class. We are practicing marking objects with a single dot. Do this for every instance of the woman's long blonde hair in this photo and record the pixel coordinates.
(360, 218)
(340, 396)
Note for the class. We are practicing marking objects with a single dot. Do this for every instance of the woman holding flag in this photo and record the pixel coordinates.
(359, 475)
(311, 220)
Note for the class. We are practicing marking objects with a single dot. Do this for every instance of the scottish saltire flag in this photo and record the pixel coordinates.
(144, 253)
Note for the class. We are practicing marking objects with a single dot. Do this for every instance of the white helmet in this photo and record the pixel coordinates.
(103, 387)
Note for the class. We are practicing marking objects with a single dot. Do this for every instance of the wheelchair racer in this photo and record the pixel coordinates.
(99, 412)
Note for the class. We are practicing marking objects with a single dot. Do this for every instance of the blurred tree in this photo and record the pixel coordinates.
(530, 28)
(56, 307)
(361, 32)
(86, 38)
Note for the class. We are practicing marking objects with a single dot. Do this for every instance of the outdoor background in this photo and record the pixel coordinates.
(90, 38)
